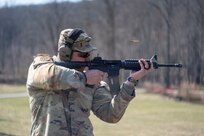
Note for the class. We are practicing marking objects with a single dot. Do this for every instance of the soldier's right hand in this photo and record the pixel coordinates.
(94, 77)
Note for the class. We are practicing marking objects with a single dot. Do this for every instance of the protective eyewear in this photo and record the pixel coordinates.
(83, 54)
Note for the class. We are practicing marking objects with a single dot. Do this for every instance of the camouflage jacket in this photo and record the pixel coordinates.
(60, 100)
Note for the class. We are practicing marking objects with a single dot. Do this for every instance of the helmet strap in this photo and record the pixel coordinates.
(73, 36)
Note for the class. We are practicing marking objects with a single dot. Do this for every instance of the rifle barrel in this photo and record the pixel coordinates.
(170, 65)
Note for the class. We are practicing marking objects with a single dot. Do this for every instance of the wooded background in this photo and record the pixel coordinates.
(172, 29)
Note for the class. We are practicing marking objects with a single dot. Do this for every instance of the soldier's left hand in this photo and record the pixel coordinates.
(145, 69)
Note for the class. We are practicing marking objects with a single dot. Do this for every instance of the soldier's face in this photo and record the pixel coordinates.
(78, 56)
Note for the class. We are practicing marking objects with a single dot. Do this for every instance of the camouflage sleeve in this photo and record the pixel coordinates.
(52, 77)
(111, 109)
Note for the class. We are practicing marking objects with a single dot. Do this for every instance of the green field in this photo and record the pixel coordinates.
(147, 115)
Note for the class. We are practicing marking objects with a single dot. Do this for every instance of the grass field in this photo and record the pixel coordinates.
(5, 88)
(147, 115)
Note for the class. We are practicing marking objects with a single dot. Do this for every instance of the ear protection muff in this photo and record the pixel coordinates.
(65, 51)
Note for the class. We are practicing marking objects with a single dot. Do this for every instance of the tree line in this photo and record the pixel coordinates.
(172, 29)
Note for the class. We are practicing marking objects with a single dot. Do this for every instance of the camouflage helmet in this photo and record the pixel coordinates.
(73, 40)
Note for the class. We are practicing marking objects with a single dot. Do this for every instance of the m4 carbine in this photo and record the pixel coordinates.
(112, 67)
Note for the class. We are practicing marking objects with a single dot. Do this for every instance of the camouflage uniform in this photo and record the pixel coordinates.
(60, 102)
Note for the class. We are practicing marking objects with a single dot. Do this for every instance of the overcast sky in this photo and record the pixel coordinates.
(28, 2)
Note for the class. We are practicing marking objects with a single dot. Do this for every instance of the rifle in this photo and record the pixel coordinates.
(112, 67)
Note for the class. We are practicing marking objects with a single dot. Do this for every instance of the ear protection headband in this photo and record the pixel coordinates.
(73, 36)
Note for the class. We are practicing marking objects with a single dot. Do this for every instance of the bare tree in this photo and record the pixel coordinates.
(195, 38)
(51, 22)
(165, 8)
(170, 28)
(110, 6)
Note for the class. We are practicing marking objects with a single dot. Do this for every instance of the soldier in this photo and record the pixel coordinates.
(61, 98)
